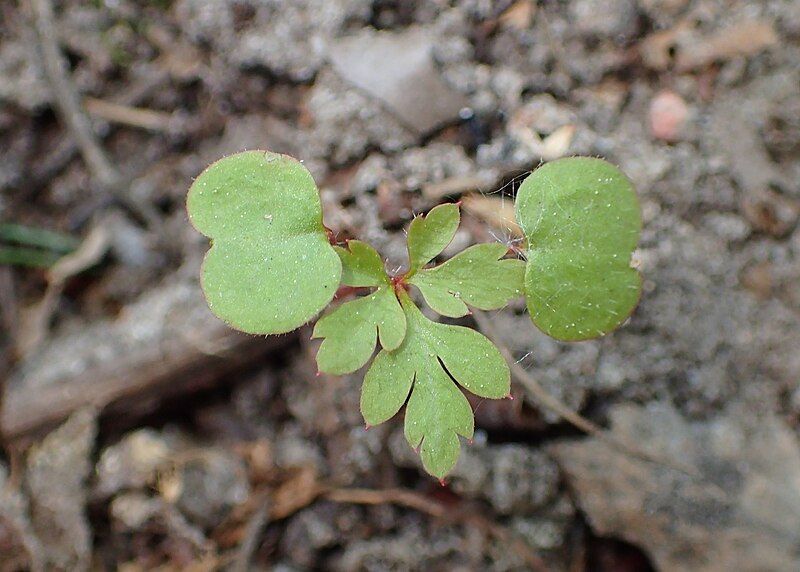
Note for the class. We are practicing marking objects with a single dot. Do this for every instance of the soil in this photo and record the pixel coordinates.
(140, 433)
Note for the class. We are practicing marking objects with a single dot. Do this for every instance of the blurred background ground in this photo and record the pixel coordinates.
(139, 433)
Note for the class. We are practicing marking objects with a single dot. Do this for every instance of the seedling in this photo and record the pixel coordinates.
(22, 245)
(272, 267)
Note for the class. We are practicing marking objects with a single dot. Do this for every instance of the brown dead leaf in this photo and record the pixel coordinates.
(743, 39)
(771, 213)
(519, 15)
(294, 494)
(688, 49)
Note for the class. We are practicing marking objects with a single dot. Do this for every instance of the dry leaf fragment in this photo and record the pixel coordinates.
(497, 212)
(743, 39)
(519, 15)
(457, 185)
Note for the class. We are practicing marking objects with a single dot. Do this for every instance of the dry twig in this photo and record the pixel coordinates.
(138, 117)
(547, 400)
(436, 509)
(35, 326)
(68, 105)
(400, 497)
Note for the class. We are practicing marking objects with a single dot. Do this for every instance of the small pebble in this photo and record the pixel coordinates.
(668, 115)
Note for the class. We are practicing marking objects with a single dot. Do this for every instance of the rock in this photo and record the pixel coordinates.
(514, 479)
(206, 486)
(210, 22)
(133, 510)
(398, 70)
(19, 546)
(347, 122)
(548, 528)
(311, 530)
(56, 473)
(668, 114)
(411, 549)
(132, 463)
(292, 450)
(290, 38)
(733, 130)
(740, 512)
(608, 18)
(728, 227)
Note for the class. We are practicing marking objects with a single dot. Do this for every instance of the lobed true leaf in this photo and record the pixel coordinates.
(431, 356)
(479, 277)
(429, 235)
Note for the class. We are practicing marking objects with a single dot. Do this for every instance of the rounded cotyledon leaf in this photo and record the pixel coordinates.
(271, 267)
(581, 219)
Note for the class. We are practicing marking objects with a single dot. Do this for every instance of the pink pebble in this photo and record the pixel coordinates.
(668, 114)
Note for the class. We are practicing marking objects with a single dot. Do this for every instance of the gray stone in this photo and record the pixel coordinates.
(397, 69)
(56, 473)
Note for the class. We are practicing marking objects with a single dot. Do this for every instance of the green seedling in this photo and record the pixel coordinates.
(272, 267)
(22, 245)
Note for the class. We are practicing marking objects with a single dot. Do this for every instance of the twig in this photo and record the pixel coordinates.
(546, 399)
(148, 119)
(454, 186)
(35, 327)
(67, 103)
(252, 535)
(66, 149)
(436, 509)
(398, 497)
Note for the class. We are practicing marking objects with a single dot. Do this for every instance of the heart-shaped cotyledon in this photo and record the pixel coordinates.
(271, 267)
(581, 220)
